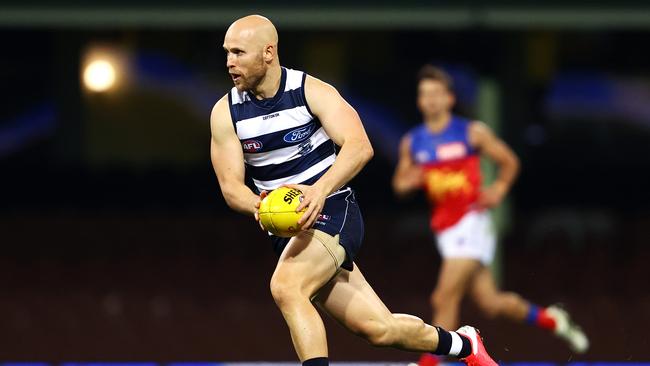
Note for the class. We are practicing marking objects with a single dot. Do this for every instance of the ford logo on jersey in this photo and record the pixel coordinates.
(251, 146)
(298, 134)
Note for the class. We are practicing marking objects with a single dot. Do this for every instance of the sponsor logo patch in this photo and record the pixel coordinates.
(298, 134)
(251, 146)
(450, 151)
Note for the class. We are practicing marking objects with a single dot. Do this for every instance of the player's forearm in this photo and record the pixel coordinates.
(401, 186)
(508, 170)
(240, 198)
(352, 157)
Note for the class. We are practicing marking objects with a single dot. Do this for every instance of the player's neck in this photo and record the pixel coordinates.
(270, 84)
(438, 122)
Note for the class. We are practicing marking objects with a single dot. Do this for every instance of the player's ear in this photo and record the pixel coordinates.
(269, 53)
(452, 99)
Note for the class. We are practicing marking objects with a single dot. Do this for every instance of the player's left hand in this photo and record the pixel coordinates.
(492, 196)
(313, 201)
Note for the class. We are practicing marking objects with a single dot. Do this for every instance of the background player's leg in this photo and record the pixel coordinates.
(510, 305)
(494, 302)
(453, 280)
(304, 266)
(350, 300)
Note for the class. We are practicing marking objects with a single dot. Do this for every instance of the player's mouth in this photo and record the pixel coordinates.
(235, 77)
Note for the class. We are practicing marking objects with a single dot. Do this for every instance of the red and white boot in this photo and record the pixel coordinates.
(427, 359)
(479, 356)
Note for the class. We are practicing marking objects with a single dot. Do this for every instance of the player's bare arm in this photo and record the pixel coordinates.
(408, 175)
(343, 125)
(228, 161)
(483, 139)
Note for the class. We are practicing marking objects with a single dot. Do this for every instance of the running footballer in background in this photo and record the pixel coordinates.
(441, 156)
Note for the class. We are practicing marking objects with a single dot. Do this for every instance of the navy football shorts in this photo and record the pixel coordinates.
(340, 215)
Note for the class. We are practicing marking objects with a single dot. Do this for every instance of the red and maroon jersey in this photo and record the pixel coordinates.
(452, 173)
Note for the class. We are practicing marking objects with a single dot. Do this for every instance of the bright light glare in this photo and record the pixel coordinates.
(99, 75)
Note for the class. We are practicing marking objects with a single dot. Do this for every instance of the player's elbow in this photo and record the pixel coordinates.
(229, 197)
(514, 164)
(367, 152)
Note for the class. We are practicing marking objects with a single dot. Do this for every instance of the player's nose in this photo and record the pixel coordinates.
(230, 61)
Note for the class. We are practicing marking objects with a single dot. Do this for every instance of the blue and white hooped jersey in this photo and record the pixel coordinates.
(283, 142)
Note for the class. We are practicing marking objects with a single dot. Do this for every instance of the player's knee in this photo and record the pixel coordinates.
(283, 293)
(442, 298)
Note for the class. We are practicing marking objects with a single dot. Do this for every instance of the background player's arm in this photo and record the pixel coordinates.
(408, 175)
(484, 140)
(228, 161)
(343, 125)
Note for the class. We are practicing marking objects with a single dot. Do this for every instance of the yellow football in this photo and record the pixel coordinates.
(278, 211)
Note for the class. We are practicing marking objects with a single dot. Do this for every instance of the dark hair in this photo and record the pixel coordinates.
(435, 73)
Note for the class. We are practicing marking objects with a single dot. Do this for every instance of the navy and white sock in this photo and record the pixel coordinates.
(452, 344)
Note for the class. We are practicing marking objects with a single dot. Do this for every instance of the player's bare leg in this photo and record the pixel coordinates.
(350, 300)
(495, 303)
(453, 281)
(304, 266)
(509, 305)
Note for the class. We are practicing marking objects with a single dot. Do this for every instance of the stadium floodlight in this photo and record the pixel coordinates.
(99, 75)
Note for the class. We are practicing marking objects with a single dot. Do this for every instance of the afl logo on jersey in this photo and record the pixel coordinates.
(251, 146)
(298, 134)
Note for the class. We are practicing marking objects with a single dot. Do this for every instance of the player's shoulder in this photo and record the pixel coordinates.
(479, 133)
(222, 105)
(316, 85)
(320, 96)
(470, 125)
(220, 114)
(478, 126)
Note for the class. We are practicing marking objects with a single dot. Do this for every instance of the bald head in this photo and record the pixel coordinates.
(256, 30)
(251, 45)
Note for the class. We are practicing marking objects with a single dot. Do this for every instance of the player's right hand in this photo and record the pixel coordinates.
(408, 179)
(492, 195)
(415, 177)
(257, 209)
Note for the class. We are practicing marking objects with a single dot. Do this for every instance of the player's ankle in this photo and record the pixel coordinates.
(318, 361)
(538, 317)
(452, 344)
